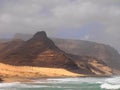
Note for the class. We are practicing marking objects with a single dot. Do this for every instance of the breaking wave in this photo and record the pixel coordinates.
(86, 83)
(111, 83)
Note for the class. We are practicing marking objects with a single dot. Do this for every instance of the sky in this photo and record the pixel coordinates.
(93, 20)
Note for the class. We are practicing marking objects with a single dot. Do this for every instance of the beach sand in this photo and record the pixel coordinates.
(24, 73)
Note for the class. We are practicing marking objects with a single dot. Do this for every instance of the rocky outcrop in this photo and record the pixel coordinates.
(40, 51)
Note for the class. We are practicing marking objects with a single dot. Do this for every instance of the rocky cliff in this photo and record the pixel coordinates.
(40, 51)
(103, 52)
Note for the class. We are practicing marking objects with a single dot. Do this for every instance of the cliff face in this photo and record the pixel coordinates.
(86, 48)
(40, 51)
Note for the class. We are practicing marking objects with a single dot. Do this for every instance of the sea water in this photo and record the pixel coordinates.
(82, 83)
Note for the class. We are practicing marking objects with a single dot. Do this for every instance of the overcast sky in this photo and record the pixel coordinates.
(96, 20)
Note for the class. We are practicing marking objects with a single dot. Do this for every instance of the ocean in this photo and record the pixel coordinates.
(82, 83)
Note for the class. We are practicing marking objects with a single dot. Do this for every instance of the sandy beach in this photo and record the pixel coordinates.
(24, 73)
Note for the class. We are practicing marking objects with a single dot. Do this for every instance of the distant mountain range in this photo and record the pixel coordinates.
(40, 51)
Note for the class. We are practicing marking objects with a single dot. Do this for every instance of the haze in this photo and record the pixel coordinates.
(94, 20)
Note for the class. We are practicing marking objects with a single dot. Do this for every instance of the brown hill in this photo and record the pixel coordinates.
(100, 51)
(40, 51)
(9, 46)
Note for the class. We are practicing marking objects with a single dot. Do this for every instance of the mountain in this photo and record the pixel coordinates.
(9, 46)
(40, 51)
(103, 52)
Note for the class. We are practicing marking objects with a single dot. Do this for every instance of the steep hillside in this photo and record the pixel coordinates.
(100, 51)
(40, 51)
(9, 46)
(103, 52)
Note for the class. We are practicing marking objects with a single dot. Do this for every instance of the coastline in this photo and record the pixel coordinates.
(22, 79)
(9, 73)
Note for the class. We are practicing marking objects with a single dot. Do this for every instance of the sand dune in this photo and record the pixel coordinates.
(8, 71)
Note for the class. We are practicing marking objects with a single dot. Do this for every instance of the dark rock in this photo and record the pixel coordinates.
(40, 35)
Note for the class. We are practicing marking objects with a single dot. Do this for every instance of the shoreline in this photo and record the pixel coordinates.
(22, 79)
(9, 73)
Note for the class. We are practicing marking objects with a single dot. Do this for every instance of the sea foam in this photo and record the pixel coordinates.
(110, 86)
(111, 83)
(2, 85)
(19, 85)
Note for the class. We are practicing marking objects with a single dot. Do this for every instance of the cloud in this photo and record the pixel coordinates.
(96, 20)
